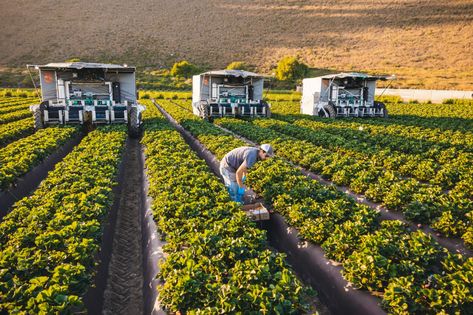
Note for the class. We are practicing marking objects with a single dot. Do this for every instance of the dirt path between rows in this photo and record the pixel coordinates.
(124, 291)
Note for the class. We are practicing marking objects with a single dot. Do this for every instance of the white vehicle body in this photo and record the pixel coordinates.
(228, 93)
(78, 93)
(342, 95)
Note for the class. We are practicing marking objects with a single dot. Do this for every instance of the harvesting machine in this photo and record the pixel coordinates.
(342, 95)
(87, 93)
(229, 93)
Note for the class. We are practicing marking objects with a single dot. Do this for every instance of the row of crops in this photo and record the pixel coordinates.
(409, 269)
(430, 181)
(382, 178)
(22, 155)
(14, 115)
(217, 261)
(459, 109)
(21, 148)
(15, 130)
(436, 117)
(424, 172)
(14, 120)
(49, 240)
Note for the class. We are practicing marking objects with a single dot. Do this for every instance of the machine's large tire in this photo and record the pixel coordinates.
(328, 112)
(38, 118)
(134, 128)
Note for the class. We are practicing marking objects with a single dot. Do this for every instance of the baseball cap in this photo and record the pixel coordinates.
(266, 147)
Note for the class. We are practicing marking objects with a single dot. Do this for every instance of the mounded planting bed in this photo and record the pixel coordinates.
(24, 185)
(409, 269)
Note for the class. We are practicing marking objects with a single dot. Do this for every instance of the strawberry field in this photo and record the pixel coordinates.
(388, 204)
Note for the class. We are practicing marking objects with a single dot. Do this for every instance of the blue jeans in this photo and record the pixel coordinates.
(229, 177)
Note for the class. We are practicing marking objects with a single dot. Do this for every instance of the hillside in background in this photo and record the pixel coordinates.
(426, 44)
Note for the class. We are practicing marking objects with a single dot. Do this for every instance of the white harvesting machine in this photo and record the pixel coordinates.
(87, 93)
(342, 95)
(229, 93)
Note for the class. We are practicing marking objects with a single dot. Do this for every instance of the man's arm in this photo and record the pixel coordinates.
(241, 171)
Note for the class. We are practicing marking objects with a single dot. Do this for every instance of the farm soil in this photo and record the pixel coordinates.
(124, 292)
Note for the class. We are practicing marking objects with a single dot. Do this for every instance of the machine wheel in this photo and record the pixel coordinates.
(38, 118)
(328, 111)
(203, 110)
(134, 129)
(268, 112)
(385, 111)
(268, 109)
(382, 106)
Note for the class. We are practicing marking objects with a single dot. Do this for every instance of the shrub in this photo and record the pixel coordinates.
(290, 69)
(237, 65)
(184, 69)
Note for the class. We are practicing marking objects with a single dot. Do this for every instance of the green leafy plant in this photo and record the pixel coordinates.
(237, 65)
(184, 69)
(217, 259)
(49, 240)
(290, 69)
(374, 254)
(17, 158)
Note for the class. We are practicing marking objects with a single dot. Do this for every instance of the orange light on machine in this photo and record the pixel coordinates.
(48, 76)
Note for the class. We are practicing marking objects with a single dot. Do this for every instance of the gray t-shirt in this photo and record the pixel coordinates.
(233, 159)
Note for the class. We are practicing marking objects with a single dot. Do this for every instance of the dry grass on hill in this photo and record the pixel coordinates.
(426, 43)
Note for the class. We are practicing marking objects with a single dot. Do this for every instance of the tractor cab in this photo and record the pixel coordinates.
(229, 93)
(342, 95)
(87, 93)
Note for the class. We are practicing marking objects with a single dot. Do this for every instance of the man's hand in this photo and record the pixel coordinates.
(241, 171)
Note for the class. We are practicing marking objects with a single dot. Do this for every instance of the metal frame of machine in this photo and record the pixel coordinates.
(342, 95)
(87, 93)
(229, 93)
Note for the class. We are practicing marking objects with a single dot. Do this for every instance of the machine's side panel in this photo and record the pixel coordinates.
(324, 90)
(258, 89)
(48, 84)
(371, 90)
(205, 83)
(310, 95)
(196, 93)
(61, 90)
(127, 86)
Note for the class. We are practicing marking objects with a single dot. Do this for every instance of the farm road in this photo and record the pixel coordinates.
(124, 292)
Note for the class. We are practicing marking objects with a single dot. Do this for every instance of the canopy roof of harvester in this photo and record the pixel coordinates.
(86, 65)
(360, 75)
(234, 73)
